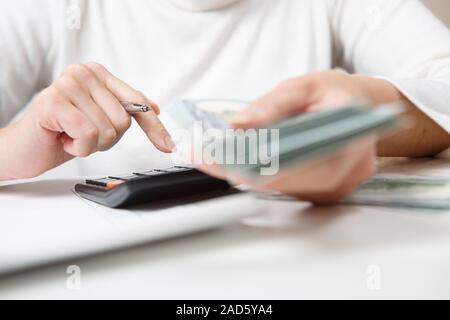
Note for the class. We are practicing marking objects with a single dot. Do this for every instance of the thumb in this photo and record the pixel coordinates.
(283, 101)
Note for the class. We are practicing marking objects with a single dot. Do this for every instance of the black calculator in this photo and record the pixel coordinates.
(153, 186)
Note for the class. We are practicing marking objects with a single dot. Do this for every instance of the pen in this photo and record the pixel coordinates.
(131, 107)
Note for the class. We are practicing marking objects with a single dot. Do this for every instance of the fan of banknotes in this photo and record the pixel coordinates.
(299, 139)
(311, 136)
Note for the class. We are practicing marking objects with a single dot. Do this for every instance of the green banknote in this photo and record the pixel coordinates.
(299, 139)
(404, 191)
(310, 136)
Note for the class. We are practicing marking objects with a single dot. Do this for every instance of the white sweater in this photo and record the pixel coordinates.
(218, 49)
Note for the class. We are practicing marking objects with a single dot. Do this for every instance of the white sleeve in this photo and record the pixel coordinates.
(26, 41)
(400, 41)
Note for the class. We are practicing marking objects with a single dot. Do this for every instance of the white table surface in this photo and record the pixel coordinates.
(292, 251)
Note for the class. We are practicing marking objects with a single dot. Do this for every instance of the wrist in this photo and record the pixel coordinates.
(8, 157)
(379, 91)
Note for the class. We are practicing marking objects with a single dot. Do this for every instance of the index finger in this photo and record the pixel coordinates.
(148, 121)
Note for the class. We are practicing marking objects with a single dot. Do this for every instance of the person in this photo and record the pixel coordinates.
(162, 50)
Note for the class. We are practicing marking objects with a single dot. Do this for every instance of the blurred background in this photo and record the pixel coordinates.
(441, 8)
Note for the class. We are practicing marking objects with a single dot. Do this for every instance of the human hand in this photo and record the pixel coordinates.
(323, 181)
(79, 114)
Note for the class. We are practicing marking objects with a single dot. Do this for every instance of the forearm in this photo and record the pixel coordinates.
(21, 153)
(424, 138)
(7, 153)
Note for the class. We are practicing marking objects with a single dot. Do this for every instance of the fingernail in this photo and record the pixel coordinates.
(168, 142)
(242, 118)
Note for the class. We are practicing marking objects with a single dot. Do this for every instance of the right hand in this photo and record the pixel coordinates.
(79, 114)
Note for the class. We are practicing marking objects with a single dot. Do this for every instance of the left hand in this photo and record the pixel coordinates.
(329, 179)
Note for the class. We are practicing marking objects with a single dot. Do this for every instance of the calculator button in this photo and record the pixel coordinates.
(124, 178)
(177, 169)
(150, 173)
(113, 184)
(105, 182)
(182, 167)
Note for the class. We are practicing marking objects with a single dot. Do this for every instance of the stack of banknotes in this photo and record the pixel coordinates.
(311, 136)
(404, 191)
